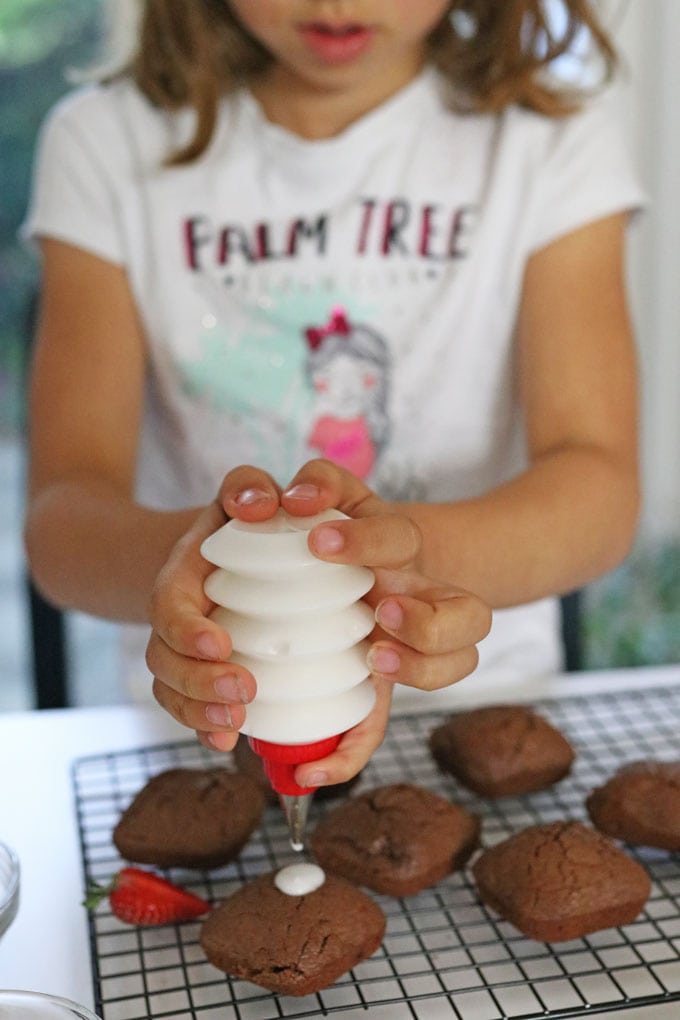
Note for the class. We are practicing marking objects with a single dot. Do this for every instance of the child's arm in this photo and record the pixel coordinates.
(572, 515)
(90, 545)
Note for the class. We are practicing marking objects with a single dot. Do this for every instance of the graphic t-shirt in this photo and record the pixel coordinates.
(353, 298)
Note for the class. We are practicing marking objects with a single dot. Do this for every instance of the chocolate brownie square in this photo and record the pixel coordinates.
(561, 881)
(640, 804)
(501, 750)
(193, 818)
(395, 839)
(293, 945)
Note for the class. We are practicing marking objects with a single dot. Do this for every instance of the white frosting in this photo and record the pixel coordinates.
(269, 549)
(341, 670)
(328, 587)
(302, 722)
(271, 639)
(296, 623)
(299, 879)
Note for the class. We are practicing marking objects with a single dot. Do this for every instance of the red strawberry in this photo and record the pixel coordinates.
(140, 897)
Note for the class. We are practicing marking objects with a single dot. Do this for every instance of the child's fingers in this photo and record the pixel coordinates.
(199, 680)
(436, 636)
(381, 540)
(372, 537)
(178, 621)
(355, 748)
(321, 484)
(249, 494)
(426, 640)
(435, 621)
(402, 665)
(219, 740)
(202, 716)
(178, 605)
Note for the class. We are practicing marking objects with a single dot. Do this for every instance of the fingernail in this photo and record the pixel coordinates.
(230, 688)
(383, 660)
(207, 647)
(390, 614)
(249, 496)
(218, 714)
(316, 779)
(305, 490)
(327, 540)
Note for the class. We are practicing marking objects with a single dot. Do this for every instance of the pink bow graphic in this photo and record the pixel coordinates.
(337, 325)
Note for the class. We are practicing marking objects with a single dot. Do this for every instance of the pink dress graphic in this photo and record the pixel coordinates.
(345, 441)
(348, 368)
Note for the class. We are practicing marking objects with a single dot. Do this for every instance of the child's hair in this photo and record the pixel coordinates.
(492, 52)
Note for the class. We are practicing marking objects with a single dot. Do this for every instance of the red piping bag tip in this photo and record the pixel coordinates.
(281, 760)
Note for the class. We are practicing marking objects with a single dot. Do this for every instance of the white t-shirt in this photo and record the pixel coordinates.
(353, 298)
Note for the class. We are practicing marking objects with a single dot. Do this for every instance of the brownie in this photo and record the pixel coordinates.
(640, 804)
(395, 839)
(293, 945)
(501, 750)
(250, 764)
(193, 818)
(561, 881)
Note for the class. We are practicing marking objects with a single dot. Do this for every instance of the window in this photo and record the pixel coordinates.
(38, 40)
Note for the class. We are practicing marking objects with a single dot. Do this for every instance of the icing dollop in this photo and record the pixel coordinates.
(299, 879)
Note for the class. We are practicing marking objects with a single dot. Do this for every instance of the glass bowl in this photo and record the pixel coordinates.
(36, 1006)
(9, 887)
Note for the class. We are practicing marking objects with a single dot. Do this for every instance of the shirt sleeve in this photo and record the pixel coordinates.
(586, 174)
(74, 195)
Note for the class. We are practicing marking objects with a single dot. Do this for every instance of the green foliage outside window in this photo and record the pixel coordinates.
(39, 41)
(632, 617)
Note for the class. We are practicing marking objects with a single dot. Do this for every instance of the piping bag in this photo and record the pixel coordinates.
(300, 626)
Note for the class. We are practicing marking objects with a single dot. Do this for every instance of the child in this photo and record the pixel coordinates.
(399, 184)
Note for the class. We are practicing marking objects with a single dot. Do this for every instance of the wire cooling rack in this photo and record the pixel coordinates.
(445, 956)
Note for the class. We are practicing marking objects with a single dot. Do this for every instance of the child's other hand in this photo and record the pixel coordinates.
(426, 631)
(187, 653)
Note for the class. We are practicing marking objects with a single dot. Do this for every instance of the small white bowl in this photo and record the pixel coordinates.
(9, 887)
(15, 1005)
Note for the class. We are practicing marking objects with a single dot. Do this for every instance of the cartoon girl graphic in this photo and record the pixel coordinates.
(348, 367)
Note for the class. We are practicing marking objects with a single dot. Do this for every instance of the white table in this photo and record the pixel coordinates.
(47, 947)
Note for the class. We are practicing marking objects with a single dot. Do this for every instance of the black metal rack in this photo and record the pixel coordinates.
(445, 956)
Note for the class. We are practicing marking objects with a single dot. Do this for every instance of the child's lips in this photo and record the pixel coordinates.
(336, 43)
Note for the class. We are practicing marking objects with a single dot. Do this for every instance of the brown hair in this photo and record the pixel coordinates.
(492, 52)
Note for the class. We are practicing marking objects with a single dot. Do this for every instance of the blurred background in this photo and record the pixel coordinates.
(630, 617)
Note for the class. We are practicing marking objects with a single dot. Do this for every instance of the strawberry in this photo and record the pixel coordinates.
(140, 897)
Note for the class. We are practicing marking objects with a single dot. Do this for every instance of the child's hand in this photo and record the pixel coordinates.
(425, 634)
(187, 653)
(426, 631)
